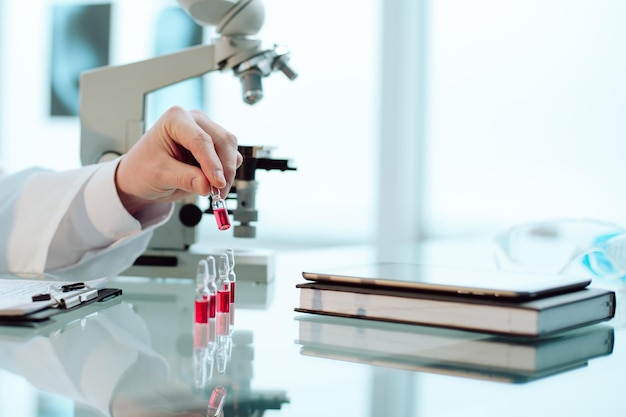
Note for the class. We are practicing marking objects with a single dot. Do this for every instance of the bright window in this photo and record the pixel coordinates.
(526, 111)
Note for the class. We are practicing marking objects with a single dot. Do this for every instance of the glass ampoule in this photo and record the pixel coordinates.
(216, 402)
(231, 275)
(211, 287)
(223, 285)
(201, 299)
(220, 212)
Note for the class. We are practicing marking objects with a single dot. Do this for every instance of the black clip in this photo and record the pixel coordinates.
(42, 297)
(73, 287)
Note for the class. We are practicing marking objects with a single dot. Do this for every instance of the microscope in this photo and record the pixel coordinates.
(112, 118)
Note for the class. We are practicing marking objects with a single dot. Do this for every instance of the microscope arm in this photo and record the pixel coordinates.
(112, 104)
(113, 98)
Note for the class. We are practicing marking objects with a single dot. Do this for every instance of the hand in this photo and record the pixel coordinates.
(184, 153)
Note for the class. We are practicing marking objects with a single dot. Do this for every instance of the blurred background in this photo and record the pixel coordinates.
(409, 120)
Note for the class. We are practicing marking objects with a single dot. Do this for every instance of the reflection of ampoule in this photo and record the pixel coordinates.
(201, 303)
(223, 348)
(200, 355)
(216, 402)
(219, 211)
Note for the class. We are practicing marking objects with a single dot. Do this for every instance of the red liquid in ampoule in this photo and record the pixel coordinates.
(221, 217)
(223, 301)
(232, 292)
(201, 310)
(216, 402)
(212, 304)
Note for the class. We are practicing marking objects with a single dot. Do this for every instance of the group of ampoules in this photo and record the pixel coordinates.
(213, 316)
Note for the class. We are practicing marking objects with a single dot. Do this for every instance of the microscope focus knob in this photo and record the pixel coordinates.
(190, 215)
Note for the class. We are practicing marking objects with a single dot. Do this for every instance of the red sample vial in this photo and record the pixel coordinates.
(232, 277)
(216, 401)
(201, 310)
(212, 289)
(223, 285)
(201, 298)
(220, 212)
(223, 300)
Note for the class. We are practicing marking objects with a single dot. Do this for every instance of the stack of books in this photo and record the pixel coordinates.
(545, 306)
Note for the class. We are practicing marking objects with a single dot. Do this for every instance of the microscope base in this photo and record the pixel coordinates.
(250, 264)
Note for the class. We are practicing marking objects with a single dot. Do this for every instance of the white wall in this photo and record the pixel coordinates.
(29, 136)
(527, 102)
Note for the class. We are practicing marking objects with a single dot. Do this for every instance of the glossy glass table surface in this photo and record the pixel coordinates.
(140, 355)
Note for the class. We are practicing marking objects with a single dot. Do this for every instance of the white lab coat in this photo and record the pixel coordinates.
(71, 224)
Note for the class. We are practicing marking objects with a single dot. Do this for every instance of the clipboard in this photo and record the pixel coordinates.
(72, 303)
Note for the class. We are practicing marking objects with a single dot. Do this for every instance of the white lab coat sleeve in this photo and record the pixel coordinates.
(72, 224)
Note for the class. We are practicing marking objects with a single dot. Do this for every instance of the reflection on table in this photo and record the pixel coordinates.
(451, 352)
(114, 359)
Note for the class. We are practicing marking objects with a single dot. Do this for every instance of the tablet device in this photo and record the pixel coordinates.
(495, 283)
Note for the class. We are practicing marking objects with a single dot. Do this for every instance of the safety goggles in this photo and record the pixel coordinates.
(564, 247)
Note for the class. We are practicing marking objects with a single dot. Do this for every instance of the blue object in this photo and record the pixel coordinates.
(598, 260)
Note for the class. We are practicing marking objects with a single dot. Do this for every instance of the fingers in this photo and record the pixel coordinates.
(213, 147)
(184, 130)
(184, 152)
(224, 144)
